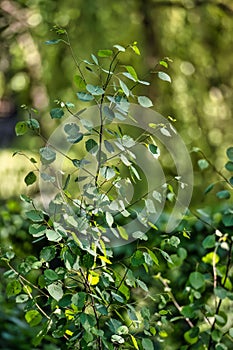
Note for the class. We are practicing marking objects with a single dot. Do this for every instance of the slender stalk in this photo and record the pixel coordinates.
(220, 300)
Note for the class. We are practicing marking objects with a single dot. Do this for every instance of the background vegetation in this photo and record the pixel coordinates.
(197, 36)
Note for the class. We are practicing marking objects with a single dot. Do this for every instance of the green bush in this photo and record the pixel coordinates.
(155, 289)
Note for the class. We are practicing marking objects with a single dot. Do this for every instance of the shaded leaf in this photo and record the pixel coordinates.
(30, 178)
(56, 113)
(196, 280)
(85, 97)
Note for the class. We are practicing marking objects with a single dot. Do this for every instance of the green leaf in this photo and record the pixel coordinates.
(48, 253)
(227, 219)
(79, 299)
(33, 124)
(107, 172)
(132, 72)
(220, 292)
(142, 285)
(33, 317)
(108, 113)
(53, 41)
(94, 90)
(72, 130)
(21, 128)
(124, 87)
(117, 297)
(91, 146)
(145, 101)
(13, 288)
(229, 153)
(229, 166)
(154, 150)
(188, 311)
(88, 261)
(163, 63)
(51, 275)
(95, 59)
(21, 298)
(108, 146)
(122, 232)
(164, 76)
(117, 339)
(139, 235)
(166, 256)
(135, 172)
(85, 97)
(147, 344)
(196, 280)
(55, 290)
(209, 242)
(137, 259)
(231, 180)
(209, 188)
(203, 164)
(223, 194)
(30, 178)
(80, 83)
(56, 113)
(211, 258)
(35, 215)
(135, 49)
(105, 53)
(153, 257)
(123, 330)
(47, 155)
(231, 332)
(53, 236)
(109, 219)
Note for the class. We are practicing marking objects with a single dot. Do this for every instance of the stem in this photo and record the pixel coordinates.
(175, 302)
(100, 141)
(88, 289)
(220, 300)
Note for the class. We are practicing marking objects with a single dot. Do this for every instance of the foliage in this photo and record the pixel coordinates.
(81, 289)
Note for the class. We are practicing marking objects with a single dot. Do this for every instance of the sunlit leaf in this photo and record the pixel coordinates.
(164, 76)
(145, 101)
(105, 53)
(33, 317)
(21, 128)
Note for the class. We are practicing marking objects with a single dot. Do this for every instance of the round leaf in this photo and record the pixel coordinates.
(223, 194)
(47, 155)
(21, 128)
(230, 153)
(85, 97)
(30, 178)
(94, 90)
(56, 113)
(229, 166)
(33, 317)
(55, 290)
(196, 280)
